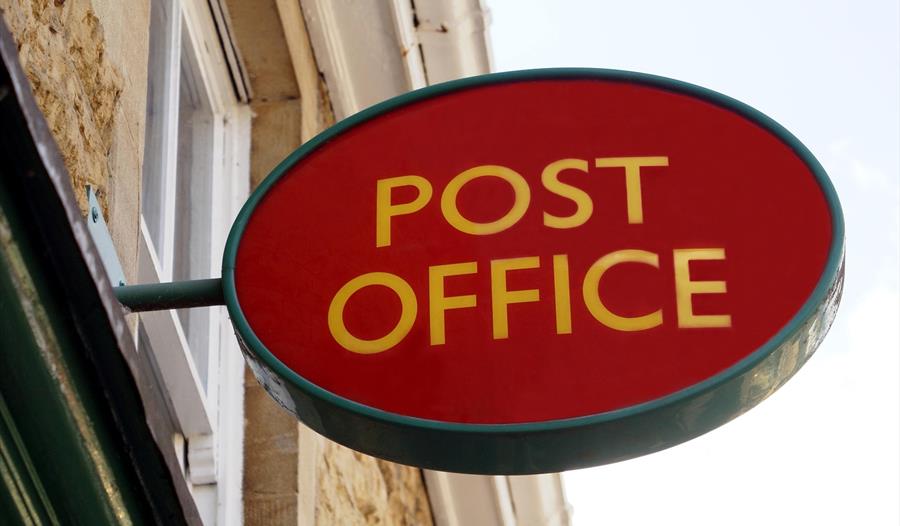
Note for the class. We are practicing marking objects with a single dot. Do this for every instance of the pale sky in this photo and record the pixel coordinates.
(825, 449)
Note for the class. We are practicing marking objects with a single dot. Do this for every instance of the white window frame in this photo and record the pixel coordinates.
(210, 420)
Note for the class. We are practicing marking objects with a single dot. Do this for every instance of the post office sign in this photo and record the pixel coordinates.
(534, 271)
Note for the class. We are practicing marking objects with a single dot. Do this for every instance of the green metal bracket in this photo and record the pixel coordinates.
(175, 295)
(157, 296)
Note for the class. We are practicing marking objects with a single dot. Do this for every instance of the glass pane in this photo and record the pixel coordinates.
(153, 179)
(193, 202)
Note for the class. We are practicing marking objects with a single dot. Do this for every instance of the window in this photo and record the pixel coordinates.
(195, 177)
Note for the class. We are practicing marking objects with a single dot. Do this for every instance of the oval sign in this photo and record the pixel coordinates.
(535, 271)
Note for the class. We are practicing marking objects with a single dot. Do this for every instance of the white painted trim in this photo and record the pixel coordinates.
(441, 498)
(239, 76)
(506, 511)
(460, 500)
(230, 433)
(371, 51)
(201, 30)
(540, 500)
(303, 61)
(171, 354)
(328, 43)
(454, 38)
(169, 146)
(410, 51)
(201, 459)
(230, 429)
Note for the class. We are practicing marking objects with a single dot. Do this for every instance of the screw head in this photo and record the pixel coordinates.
(95, 214)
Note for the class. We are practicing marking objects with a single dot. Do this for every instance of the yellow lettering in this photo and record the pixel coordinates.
(584, 205)
(592, 294)
(520, 205)
(632, 167)
(438, 303)
(561, 294)
(384, 210)
(408, 309)
(685, 288)
(501, 297)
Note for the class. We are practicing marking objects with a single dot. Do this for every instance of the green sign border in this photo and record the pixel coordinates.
(557, 445)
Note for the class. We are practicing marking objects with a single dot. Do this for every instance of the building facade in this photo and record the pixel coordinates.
(171, 111)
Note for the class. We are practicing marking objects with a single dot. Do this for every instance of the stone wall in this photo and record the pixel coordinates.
(356, 489)
(87, 63)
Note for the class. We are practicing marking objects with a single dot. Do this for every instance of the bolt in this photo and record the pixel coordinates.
(121, 283)
(95, 214)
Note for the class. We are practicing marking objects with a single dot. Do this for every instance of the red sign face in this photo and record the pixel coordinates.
(532, 251)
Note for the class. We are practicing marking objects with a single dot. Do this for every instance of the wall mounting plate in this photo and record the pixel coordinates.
(100, 234)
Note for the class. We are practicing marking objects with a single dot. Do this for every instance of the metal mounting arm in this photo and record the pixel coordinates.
(174, 295)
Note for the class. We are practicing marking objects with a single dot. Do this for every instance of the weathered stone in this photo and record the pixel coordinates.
(357, 489)
(87, 63)
(257, 27)
(276, 133)
(407, 500)
(62, 50)
(270, 459)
